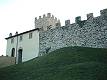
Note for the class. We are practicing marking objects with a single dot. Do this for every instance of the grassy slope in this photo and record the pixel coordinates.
(72, 63)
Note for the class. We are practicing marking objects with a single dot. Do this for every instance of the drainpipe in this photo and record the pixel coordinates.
(16, 47)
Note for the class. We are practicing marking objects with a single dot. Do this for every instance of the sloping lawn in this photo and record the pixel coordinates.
(70, 63)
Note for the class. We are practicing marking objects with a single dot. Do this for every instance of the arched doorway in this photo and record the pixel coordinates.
(13, 52)
(20, 56)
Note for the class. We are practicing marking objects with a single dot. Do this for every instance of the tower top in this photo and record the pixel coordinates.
(46, 22)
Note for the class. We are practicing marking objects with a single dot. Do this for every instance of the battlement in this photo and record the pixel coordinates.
(103, 12)
(47, 22)
(89, 16)
(48, 15)
(58, 24)
(67, 22)
(77, 19)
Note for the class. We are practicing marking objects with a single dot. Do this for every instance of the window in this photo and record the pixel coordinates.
(21, 37)
(12, 40)
(30, 35)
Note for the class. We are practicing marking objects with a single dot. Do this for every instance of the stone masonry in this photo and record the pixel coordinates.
(46, 22)
(87, 33)
(6, 61)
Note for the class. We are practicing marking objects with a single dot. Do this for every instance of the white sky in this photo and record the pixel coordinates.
(18, 15)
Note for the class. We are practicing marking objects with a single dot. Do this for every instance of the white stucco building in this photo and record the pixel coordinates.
(25, 46)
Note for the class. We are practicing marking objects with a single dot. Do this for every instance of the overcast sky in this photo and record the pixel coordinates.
(18, 15)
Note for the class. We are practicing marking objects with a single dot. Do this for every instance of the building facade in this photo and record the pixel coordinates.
(25, 46)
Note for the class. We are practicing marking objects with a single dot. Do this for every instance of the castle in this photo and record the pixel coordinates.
(49, 35)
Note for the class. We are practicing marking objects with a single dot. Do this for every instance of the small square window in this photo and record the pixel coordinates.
(30, 35)
(12, 40)
(21, 37)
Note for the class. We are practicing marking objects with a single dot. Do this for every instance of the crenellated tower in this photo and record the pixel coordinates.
(47, 22)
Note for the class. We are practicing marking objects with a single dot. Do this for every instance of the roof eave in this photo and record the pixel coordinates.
(22, 33)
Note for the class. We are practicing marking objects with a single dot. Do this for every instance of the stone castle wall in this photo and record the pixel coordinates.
(87, 33)
(46, 22)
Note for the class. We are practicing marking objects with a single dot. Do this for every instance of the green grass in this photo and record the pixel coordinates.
(71, 63)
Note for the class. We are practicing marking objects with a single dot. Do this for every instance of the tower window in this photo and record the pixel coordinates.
(30, 35)
(12, 40)
(21, 37)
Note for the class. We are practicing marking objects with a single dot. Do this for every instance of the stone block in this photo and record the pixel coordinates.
(67, 22)
(90, 16)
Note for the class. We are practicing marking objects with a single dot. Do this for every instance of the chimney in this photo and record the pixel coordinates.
(10, 34)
